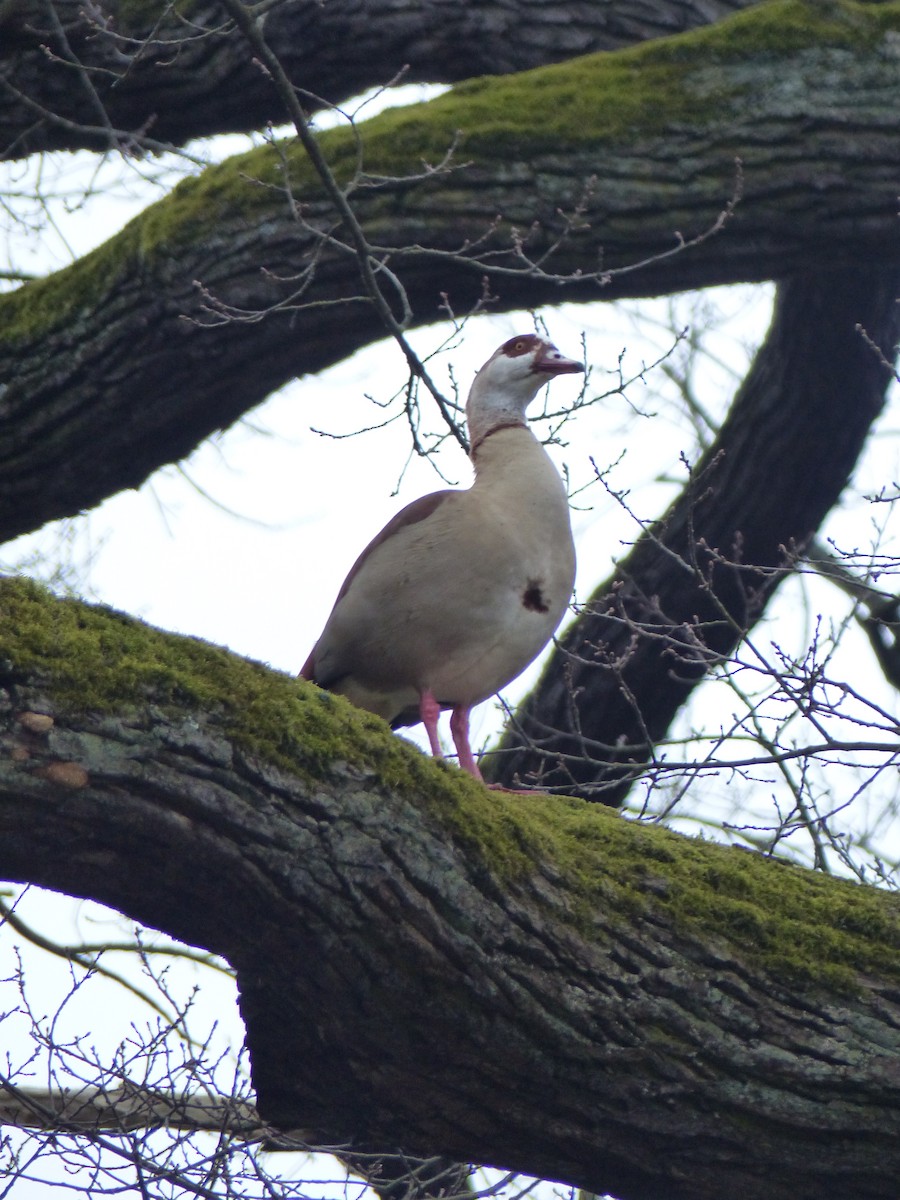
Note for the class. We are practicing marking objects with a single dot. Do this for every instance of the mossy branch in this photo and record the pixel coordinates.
(336, 50)
(193, 314)
(393, 924)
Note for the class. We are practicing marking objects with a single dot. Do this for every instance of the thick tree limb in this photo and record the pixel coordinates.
(531, 982)
(684, 597)
(123, 362)
(148, 71)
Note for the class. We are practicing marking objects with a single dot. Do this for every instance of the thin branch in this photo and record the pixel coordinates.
(251, 31)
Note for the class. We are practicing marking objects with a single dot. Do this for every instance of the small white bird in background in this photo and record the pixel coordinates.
(461, 590)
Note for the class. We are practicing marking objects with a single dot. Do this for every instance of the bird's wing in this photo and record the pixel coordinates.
(418, 510)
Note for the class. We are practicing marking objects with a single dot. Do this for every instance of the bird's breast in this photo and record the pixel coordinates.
(462, 601)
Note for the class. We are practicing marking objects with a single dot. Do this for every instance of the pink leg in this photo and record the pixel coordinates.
(459, 728)
(429, 711)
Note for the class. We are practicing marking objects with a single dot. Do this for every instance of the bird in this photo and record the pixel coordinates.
(463, 588)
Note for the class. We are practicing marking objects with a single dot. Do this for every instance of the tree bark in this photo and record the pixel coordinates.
(122, 363)
(694, 584)
(141, 75)
(529, 982)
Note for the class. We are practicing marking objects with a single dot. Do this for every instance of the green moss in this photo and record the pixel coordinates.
(237, 189)
(781, 29)
(619, 99)
(800, 927)
(576, 859)
(607, 97)
(93, 659)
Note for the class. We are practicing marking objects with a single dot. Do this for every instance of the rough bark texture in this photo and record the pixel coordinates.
(533, 983)
(695, 583)
(116, 366)
(142, 75)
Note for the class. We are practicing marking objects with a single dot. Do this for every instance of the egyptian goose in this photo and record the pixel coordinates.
(461, 590)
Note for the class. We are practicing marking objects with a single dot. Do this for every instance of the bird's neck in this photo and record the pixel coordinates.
(490, 408)
(507, 455)
(479, 436)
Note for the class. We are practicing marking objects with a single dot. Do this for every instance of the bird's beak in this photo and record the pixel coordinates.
(552, 362)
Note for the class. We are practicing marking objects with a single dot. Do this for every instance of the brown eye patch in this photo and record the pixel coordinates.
(525, 343)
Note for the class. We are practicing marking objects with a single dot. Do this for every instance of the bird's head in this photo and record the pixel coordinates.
(510, 380)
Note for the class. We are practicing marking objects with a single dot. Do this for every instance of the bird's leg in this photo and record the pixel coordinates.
(459, 728)
(429, 711)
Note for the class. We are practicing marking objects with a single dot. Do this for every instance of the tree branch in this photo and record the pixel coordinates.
(69, 1110)
(153, 70)
(367, 262)
(536, 983)
(697, 580)
(128, 359)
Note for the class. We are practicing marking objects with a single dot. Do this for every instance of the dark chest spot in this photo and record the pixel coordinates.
(533, 597)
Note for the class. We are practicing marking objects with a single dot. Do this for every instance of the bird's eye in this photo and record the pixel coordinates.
(517, 346)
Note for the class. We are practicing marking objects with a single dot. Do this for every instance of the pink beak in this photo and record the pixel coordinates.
(552, 362)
